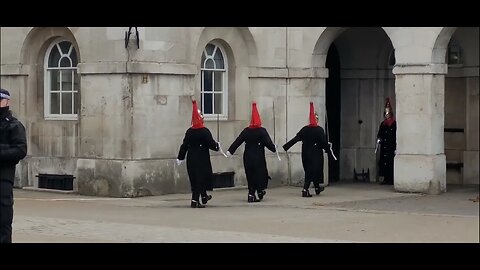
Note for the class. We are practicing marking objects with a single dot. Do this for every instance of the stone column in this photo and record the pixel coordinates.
(420, 164)
(471, 157)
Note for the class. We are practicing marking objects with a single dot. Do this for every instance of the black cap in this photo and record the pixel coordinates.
(4, 94)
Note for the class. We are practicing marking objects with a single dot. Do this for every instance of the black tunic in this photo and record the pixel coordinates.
(313, 141)
(388, 145)
(256, 139)
(196, 146)
(13, 148)
(13, 145)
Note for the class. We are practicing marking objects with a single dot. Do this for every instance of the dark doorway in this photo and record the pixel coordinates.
(333, 110)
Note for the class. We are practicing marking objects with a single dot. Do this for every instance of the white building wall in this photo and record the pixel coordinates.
(136, 103)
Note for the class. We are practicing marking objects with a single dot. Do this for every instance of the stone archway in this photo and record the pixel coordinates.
(459, 49)
(358, 83)
(46, 150)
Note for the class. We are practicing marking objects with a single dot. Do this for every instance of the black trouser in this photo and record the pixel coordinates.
(387, 169)
(389, 174)
(6, 211)
(197, 190)
(306, 186)
(253, 187)
(254, 176)
(196, 194)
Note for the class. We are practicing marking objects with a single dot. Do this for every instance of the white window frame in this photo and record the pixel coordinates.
(47, 83)
(224, 114)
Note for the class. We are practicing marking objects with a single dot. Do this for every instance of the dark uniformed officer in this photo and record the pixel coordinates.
(387, 138)
(13, 148)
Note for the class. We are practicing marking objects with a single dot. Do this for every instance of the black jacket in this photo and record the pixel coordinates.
(256, 139)
(13, 145)
(313, 143)
(388, 144)
(196, 146)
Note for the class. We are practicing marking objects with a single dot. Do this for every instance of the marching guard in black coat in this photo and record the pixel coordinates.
(313, 143)
(196, 145)
(256, 138)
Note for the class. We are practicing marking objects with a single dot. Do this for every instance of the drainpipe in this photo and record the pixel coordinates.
(130, 96)
(289, 179)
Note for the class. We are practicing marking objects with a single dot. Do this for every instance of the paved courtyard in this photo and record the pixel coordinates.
(348, 212)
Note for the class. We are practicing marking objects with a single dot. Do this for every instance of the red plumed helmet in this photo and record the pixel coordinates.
(313, 117)
(197, 119)
(255, 122)
(388, 113)
(388, 106)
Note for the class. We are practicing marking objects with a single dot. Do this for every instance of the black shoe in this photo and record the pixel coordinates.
(206, 199)
(319, 189)
(196, 204)
(306, 193)
(386, 183)
(252, 198)
(261, 194)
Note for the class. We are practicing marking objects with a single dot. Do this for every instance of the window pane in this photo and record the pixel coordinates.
(65, 62)
(218, 104)
(207, 80)
(76, 82)
(65, 46)
(209, 48)
(66, 103)
(207, 99)
(54, 80)
(76, 102)
(209, 64)
(67, 80)
(53, 57)
(74, 58)
(218, 76)
(203, 59)
(219, 59)
(55, 103)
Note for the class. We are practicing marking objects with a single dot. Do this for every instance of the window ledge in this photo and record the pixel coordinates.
(214, 118)
(455, 65)
(61, 118)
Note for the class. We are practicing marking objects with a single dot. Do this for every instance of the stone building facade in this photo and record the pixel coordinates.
(112, 112)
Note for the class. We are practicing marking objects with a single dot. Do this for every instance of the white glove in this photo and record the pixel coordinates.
(179, 162)
(229, 154)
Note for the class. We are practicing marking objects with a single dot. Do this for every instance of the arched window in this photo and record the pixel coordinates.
(214, 92)
(61, 98)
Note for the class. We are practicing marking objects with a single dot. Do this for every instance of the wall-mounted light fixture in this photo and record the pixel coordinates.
(127, 37)
(454, 53)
